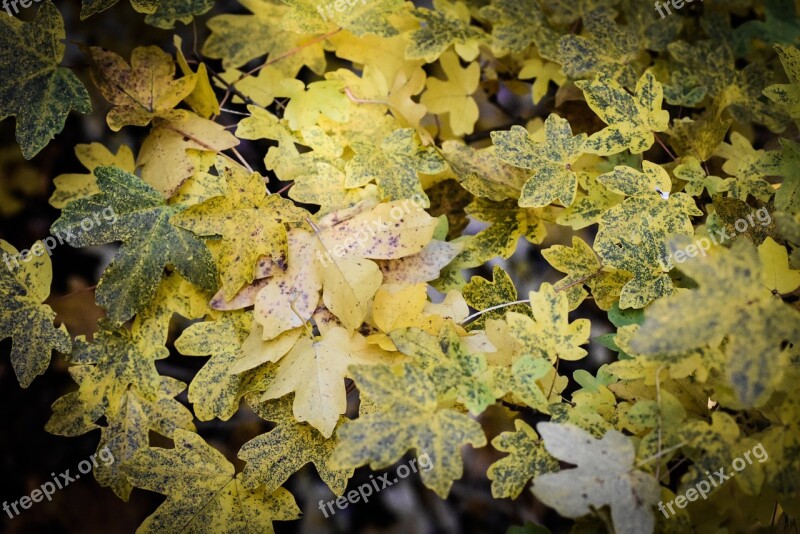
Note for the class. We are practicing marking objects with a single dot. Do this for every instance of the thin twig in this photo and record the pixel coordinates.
(667, 150)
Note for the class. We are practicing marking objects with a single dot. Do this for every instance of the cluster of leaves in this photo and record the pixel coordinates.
(298, 296)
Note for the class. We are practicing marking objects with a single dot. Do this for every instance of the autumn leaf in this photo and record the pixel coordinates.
(150, 242)
(439, 31)
(527, 458)
(552, 177)
(631, 119)
(34, 89)
(203, 491)
(142, 90)
(171, 153)
(787, 94)
(408, 418)
(252, 224)
(315, 370)
(25, 318)
(755, 325)
(452, 97)
(604, 475)
(276, 455)
(73, 186)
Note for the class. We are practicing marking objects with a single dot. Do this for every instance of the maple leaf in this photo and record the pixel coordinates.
(701, 137)
(202, 99)
(126, 433)
(105, 370)
(516, 24)
(509, 222)
(552, 177)
(34, 89)
(265, 36)
(171, 11)
(307, 104)
(606, 49)
(250, 221)
(309, 16)
(348, 287)
(605, 475)
(169, 155)
(644, 255)
(482, 172)
(150, 242)
(128, 429)
(787, 94)
(544, 72)
(691, 171)
(142, 90)
(755, 324)
(583, 267)
(648, 202)
(203, 491)
(405, 421)
(73, 186)
(592, 200)
(276, 455)
(25, 318)
(631, 119)
(315, 370)
(777, 276)
(454, 370)
(482, 294)
(215, 390)
(717, 443)
(780, 24)
(439, 30)
(527, 458)
(92, 7)
(394, 165)
(292, 296)
(549, 334)
(452, 97)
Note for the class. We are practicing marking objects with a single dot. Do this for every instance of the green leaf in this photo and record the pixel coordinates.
(150, 242)
(438, 31)
(33, 88)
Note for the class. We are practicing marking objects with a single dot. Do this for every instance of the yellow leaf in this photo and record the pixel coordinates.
(142, 90)
(776, 274)
(452, 97)
(169, 154)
